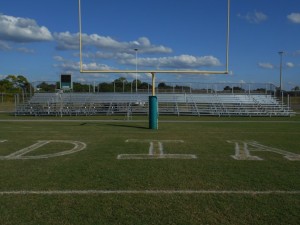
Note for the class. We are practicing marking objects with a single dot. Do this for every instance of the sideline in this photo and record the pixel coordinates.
(150, 192)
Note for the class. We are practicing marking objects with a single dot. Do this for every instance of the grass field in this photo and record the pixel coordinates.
(92, 186)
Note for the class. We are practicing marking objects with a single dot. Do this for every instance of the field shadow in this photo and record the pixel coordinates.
(129, 126)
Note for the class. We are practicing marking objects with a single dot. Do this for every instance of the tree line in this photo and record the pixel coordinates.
(14, 84)
(19, 84)
(118, 85)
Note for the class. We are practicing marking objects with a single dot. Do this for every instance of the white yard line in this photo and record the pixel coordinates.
(150, 192)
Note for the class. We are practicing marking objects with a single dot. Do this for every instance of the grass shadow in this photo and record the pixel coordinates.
(129, 126)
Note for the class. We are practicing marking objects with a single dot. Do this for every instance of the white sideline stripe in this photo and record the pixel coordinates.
(151, 192)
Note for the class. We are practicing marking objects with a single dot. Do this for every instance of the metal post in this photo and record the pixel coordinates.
(136, 65)
(280, 84)
(15, 104)
(153, 84)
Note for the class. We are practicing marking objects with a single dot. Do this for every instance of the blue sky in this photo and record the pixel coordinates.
(39, 39)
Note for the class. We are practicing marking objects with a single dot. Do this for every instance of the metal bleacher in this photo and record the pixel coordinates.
(209, 104)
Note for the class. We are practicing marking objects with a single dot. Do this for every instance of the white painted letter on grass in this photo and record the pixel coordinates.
(243, 151)
(156, 151)
(21, 154)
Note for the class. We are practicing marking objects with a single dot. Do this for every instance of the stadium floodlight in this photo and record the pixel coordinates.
(208, 72)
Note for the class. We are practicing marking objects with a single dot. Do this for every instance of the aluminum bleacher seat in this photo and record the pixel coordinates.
(137, 103)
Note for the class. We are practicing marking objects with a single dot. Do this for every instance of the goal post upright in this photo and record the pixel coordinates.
(80, 36)
(227, 36)
(153, 107)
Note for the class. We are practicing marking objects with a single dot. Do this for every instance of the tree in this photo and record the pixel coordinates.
(162, 85)
(120, 84)
(6, 86)
(106, 87)
(45, 87)
(227, 88)
(121, 80)
(238, 89)
(145, 86)
(78, 87)
(15, 84)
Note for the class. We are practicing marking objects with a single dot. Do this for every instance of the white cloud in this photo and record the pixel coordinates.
(266, 65)
(96, 66)
(290, 65)
(177, 62)
(254, 17)
(296, 53)
(69, 41)
(71, 66)
(25, 50)
(294, 17)
(18, 29)
(59, 58)
(4, 46)
(119, 53)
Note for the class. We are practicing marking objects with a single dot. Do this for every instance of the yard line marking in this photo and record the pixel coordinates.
(151, 192)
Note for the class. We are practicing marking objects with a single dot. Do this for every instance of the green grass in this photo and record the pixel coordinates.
(97, 168)
(7, 106)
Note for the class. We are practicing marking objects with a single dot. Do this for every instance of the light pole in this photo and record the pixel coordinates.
(280, 85)
(136, 65)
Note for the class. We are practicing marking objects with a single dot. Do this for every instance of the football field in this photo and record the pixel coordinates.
(192, 170)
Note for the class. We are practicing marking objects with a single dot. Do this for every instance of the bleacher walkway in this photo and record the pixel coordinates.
(59, 104)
